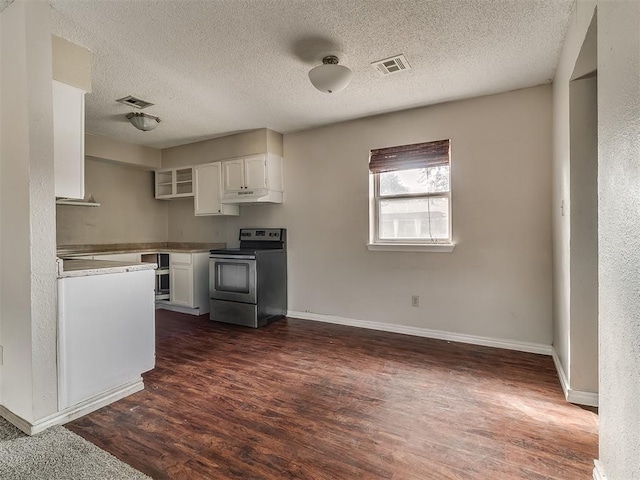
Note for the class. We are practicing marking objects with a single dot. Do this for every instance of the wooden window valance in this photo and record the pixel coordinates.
(407, 157)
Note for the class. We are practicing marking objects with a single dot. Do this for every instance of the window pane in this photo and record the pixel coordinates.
(417, 180)
(438, 179)
(414, 219)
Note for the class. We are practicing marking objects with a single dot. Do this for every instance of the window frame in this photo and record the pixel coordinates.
(405, 244)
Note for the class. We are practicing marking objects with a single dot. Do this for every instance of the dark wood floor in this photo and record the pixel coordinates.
(306, 400)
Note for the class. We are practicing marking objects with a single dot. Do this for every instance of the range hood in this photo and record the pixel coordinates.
(256, 196)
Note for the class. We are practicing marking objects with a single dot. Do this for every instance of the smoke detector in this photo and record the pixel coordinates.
(388, 66)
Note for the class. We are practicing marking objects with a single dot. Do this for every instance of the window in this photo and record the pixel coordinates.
(411, 197)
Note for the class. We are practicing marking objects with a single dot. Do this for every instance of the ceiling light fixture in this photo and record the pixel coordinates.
(330, 77)
(143, 121)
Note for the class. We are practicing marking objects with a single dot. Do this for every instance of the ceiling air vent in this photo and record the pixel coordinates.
(391, 65)
(134, 102)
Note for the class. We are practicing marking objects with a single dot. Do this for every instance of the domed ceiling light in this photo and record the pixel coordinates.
(143, 121)
(330, 77)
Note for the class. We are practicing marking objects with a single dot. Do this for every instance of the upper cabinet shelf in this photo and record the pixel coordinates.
(174, 183)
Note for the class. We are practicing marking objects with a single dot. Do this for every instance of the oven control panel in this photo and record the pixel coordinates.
(264, 234)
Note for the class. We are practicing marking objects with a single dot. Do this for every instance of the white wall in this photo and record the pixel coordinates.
(619, 237)
(561, 201)
(496, 283)
(27, 213)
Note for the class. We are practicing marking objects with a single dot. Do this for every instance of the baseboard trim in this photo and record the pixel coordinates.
(562, 376)
(598, 471)
(578, 397)
(538, 348)
(74, 412)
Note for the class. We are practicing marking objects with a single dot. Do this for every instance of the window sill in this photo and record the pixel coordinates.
(411, 247)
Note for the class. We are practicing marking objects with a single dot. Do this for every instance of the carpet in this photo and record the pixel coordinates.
(57, 454)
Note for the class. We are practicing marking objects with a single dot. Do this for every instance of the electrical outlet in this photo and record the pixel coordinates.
(415, 301)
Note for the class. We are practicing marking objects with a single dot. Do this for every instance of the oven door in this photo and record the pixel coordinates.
(233, 278)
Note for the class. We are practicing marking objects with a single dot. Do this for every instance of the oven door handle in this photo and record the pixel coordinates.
(232, 257)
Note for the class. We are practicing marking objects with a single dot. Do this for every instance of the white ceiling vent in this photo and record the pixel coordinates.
(391, 65)
(134, 102)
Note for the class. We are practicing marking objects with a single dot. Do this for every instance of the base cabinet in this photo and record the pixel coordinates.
(181, 289)
(106, 333)
(189, 278)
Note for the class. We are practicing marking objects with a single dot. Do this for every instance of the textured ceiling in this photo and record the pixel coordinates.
(221, 66)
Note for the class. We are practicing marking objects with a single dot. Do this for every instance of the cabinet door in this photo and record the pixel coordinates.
(233, 171)
(181, 290)
(255, 172)
(207, 191)
(68, 140)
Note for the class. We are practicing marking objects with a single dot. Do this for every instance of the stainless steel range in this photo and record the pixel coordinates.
(248, 285)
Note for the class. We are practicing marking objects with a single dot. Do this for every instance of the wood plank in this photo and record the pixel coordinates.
(305, 400)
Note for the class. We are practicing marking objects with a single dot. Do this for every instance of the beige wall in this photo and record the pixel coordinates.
(246, 143)
(71, 63)
(184, 226)
(128, 213)
(126, 153)
(619, 237)
(496, 283)
(28, 320)
(583, 332)
(561, 202)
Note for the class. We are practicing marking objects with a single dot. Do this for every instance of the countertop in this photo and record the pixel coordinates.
(70, 251)
(86, 268)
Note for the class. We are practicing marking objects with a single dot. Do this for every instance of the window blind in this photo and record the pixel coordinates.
(407, 157)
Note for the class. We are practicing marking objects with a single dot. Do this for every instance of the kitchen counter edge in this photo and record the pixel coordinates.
(87, 268)
(78, 251)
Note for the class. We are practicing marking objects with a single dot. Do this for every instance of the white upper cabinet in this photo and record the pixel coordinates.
(174, 183)
(233, 175)
(68, 140)
(255, 172)
(262, 171)
(208, 191)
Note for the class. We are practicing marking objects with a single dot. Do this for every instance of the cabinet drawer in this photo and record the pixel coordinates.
(182, 258)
